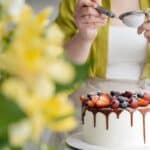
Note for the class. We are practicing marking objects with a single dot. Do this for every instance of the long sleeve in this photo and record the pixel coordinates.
(65, 19)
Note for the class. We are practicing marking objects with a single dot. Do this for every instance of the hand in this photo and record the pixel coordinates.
(87, 19)
(145, 27)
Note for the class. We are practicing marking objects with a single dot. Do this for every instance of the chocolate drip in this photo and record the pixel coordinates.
(131, 119)
(131, 111)
(108, 111)
(94, 113)
(83, 112)
(144, 112)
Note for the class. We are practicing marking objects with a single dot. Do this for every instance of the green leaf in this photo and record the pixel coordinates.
(9, 113)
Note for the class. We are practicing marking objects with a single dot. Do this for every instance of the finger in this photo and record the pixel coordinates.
(147, 34)
(91, 19)
(97, 1)
(88, 11)
(146, 26)
(148, 16)
(93, 25)
(96, 22)
(140, 29)
(87, 3)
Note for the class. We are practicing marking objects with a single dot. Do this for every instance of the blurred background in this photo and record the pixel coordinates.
(39, 4)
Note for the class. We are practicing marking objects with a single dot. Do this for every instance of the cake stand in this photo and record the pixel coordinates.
(76, 141)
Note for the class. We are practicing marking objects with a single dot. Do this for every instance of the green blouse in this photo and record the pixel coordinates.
(98, 57)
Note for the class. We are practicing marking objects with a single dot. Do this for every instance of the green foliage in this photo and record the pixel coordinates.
(9, 113)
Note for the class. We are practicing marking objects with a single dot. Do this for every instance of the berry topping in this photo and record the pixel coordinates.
(143, 102)
(115, 93)
(134, 103)
(104, 101)
(115, 103)
(83, 99)
(116, 100)
(95, 99)
(99, 93)
(124, 104)
(147, 96)
(91, 104)
(127, 94)
(90, 96)
(122, 99)
(140, 95)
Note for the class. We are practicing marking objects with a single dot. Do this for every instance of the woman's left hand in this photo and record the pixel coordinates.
(145, 28)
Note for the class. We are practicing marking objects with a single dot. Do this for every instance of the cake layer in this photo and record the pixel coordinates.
(116, 128)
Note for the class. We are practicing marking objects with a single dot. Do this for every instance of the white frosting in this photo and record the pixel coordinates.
(120, 133)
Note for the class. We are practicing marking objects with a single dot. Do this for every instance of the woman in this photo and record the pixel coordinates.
(119, 56)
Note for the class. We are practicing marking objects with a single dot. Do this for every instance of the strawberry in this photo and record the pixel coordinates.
(83, 99)
(104, 101)
(143, 102)
(95, 99)
(147, 96)
(90, 104)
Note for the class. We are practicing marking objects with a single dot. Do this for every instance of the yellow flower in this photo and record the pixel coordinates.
(63, 125)
(54, 51)
(19, 132)
(34, 60)
(55, 35)
(38, 126)
(61, 71)
(25, 55)
(14, 88)
(59, 113)
(31, 128)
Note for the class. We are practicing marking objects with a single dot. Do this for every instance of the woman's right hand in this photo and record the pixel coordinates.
(88, 20)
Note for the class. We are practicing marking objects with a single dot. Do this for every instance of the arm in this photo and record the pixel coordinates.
(87, 20)
(78, 49)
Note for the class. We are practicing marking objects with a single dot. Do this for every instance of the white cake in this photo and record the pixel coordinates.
(116, 128)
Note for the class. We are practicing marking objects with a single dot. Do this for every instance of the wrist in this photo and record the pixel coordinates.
(85, 37)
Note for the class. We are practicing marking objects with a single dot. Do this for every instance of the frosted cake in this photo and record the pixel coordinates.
(116, 120)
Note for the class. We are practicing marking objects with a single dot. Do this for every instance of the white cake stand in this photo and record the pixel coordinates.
(76, 141)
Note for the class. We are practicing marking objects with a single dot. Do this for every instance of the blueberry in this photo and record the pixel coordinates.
(89, 96)
(114, 93)
(124, 105)
(140, 95)
(99, 93)
(135, 96)
(121, 99)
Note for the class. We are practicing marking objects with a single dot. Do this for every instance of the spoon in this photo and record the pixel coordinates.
(105, 11)
(131, 18)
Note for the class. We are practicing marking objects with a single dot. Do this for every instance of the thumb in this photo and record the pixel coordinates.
(87, 3)
(99, 2)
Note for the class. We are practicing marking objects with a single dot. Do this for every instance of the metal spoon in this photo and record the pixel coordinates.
(131, 19)
(105, 11)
